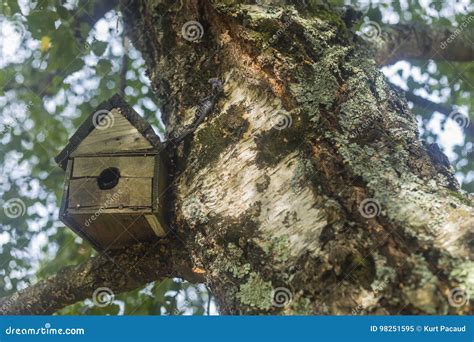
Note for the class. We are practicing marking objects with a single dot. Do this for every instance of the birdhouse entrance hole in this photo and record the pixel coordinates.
(119, 173)
(108, 178)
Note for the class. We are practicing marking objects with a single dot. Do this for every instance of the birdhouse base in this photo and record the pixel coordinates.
(113, 229)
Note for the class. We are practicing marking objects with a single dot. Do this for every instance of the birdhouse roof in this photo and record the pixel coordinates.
(126, 116)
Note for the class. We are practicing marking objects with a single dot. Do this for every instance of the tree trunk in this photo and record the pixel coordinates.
(307, 190)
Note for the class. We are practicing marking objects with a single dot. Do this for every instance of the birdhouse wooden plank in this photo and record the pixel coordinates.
(115, 178)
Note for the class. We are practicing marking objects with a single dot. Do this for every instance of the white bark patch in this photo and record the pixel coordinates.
(228, 187)
(366, 301)
(453, 234)
(261, 109)
(432, 218)
(286, 211)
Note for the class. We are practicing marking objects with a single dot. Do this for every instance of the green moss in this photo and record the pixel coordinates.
(236, 235)
(228, 260)
(256, 292)
(358, 114)
(361, 269)
(217, 135)
(276, 144)
(460, 196)
(231, 261)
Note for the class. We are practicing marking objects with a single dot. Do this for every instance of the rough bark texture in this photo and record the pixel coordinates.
(267, 193)
(264, 203)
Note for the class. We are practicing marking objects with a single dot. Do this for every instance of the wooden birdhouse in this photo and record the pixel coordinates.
(113, 192)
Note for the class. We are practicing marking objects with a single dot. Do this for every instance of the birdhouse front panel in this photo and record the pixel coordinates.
(113, 195)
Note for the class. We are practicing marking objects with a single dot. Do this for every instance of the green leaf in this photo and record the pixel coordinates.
(98, 47)
(41, 23)
(103, 67)
(64, 51)
(13, 7)
(63, 13)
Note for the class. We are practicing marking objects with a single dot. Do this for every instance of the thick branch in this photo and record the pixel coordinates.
(410, 41)
(121, 271)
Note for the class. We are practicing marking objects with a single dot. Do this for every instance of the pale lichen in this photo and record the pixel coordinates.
(422, 292)
(256, 292)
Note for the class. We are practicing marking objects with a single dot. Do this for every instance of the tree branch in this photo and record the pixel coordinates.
(432, 106)
(415, 41)
(120, 271)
